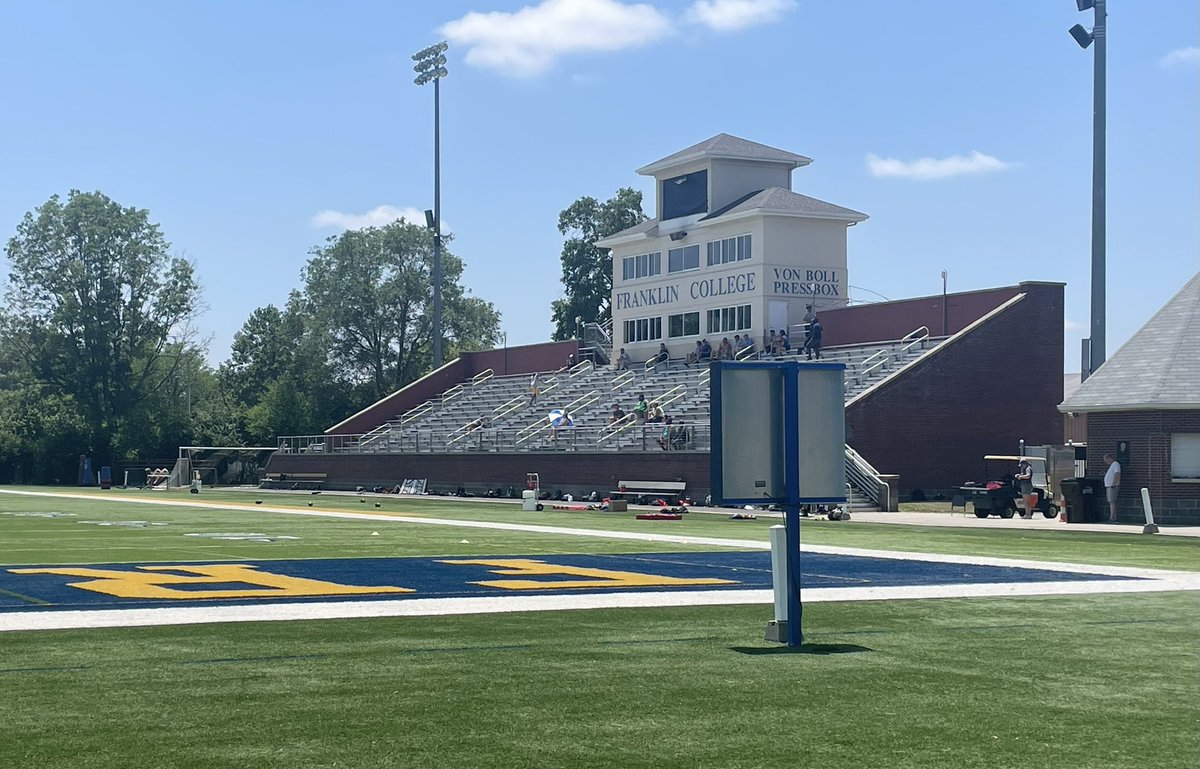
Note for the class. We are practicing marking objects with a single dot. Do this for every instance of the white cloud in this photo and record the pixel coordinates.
(1073, 326)
(936, 168)
(379, 216)
(528, 42)
(1181, 57)
(732, 15)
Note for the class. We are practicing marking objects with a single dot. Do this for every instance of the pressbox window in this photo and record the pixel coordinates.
(682, 259)
(728, 250)
(643, 330)
(685, 195)
(729, 319)
(641, 266)
(685, 324)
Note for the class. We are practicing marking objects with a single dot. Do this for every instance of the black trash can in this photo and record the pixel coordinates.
(1095, 505)
(1084, 498)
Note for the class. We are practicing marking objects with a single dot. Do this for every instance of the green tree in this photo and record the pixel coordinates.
(369, 291)
(99, 312)
(586, 269)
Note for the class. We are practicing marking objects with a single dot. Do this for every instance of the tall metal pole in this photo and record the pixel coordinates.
(945, 309)
(431, 65)
(1098, 205)
(437, 226)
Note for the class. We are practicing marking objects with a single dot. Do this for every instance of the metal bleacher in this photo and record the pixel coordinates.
(493, 413)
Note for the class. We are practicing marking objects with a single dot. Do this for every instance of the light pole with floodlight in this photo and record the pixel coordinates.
(945, 309)
(431, 65)
(1085, 38)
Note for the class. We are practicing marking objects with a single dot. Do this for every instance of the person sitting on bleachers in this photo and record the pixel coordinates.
(664, 439)
(623, 361)
(776, 344)
(693, 356)
(705, 350)
(662, 357)
(746, 342)
(680, 437)
(474, 425)
(725, 350)
(616, 416)
(656, 413)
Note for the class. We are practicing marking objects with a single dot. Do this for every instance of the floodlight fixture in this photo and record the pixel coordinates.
(1081, 35)
(1085, 5)
(429, 220)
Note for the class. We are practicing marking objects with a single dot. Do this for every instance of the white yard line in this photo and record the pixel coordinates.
(1151, 580)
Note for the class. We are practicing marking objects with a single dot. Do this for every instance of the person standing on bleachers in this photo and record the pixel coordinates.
(533, 388)
(812, 345)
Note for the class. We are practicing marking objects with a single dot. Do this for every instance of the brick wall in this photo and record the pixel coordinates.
(980, 394)
(883, 321)
(576, 472)
(1149, 465)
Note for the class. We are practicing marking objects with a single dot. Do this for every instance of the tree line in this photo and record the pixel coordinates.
(100, 353)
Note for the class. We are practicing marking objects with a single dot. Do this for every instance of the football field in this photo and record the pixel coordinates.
(259, 630)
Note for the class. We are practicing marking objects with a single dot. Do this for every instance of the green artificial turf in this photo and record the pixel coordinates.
(1097, 681)
(30, 540)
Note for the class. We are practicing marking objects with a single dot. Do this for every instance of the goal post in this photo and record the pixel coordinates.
(220, 465)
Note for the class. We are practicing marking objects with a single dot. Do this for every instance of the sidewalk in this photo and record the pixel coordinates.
(1040, 523)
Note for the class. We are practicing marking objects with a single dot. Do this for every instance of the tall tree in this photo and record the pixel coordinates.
(586, 269)
(99, 310)
(370, 290)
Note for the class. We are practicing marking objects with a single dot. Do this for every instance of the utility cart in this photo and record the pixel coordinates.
(1002, 497)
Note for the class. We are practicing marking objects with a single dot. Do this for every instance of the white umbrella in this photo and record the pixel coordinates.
(560, 418)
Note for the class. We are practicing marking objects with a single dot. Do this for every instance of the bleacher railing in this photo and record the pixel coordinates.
(913, 338)
(682, 436)
(416, 413)
(865, 478)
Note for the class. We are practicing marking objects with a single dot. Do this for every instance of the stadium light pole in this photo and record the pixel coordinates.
(945, 310)
(1097, 35)
(431, 66)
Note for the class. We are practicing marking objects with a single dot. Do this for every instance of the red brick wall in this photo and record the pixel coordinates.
(568, 471)
(1149, 465)
(978, 395)
(883, 321)
(546, 356)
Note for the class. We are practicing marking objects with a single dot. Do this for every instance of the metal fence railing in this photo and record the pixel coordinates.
(681, 436)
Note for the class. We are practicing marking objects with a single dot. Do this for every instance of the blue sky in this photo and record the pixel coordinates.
(254, 130)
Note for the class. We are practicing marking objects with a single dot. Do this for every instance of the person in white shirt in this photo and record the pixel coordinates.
(1112, 480)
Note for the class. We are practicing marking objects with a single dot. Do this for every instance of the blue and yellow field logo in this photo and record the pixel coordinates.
(340, 579)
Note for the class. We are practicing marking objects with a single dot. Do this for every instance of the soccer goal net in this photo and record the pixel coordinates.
(220, 465)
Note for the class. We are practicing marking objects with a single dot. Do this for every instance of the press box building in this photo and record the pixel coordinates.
(731, 250)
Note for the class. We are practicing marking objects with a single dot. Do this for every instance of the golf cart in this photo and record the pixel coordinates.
(1001, 497)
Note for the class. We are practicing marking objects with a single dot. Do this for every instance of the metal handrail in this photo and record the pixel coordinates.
(867, 478)
(580, 367)
(918, 338)
(883, 357)
(504, 409)
(482, 377)
(416, 413)
(746, 353)
(452, 393)
(622, 379)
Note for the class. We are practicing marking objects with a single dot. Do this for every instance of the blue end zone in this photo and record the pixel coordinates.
(438, 578)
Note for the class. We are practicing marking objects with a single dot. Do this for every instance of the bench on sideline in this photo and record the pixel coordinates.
(312, 481)
(670, 491)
